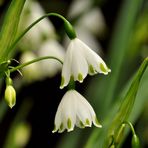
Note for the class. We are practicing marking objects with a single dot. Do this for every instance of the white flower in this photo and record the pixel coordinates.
(93, 21)
(31, 72)
(51, 67)
(74, 110)
(41, 31)
(79, 61)
(78, 7)
(87, 37)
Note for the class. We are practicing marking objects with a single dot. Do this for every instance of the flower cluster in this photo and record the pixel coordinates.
(78, 61)
(74, 109)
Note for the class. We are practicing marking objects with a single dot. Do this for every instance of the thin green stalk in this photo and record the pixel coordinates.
(33, 24)
(33, 61)
(131, 126)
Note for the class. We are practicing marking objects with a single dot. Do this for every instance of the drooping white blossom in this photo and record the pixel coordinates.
(92, 21)
(79, 61)
(77, 7)
(51, 67)
(73, 110)
(31, 72)
(38, 33)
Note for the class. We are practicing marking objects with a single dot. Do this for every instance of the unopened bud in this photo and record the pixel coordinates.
(10, 96)
(135, 141)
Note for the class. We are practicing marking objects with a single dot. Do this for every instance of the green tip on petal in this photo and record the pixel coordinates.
(69, 123)
(103, 68)
(87, 123)
(97, 124)
(62, 82)
(71, 78)
(61, 127)
(54, 130)
(80, 77)
(91, 69)
(81, 124)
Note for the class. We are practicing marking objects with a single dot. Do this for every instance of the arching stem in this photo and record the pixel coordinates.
(33, 61)
(68, 28)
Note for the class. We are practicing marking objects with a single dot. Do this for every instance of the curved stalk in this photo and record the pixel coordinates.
(68, 27)
(33, 61)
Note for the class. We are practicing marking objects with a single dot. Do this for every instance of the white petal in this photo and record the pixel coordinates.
(33, 39)
(93, 21)
(58, 119)
(79, 64)
(83, 113)
(66, 70)
(51, 66)
(31, 72)
(95, 122)
(85, 103)
(74, 110)
(68, 110)
(93, 59)
(77, 7)
(88, 38)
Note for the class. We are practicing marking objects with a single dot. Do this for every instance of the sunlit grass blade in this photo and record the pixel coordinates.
(127, 104)
(9, 27)
(97, 137)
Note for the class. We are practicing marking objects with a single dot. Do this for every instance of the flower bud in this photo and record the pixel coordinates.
(10, 96)
(135, 141)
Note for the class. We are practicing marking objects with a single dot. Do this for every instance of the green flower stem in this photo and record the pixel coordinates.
(131, 126)
(33, 61)
(68, 28)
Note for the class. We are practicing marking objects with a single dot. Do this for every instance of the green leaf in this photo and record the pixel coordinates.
(9, 27)
(98, 136)
(127, 105)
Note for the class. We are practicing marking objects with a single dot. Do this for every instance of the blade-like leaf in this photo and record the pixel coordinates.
(10, 26)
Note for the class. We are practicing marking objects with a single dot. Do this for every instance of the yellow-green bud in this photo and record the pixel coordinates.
(10, 96)
(135, 141)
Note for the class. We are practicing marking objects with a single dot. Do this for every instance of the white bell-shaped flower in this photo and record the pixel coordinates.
(74, 110)
(93, 21)
(51, 47)
(79, 61)
(40, 32)
(31, 72)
